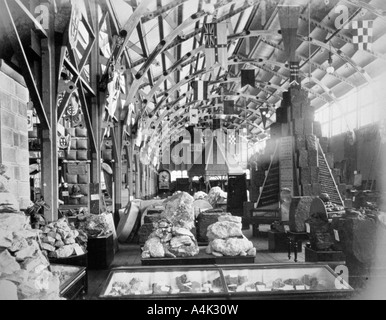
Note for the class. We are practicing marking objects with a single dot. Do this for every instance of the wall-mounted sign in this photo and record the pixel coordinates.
(164, 180)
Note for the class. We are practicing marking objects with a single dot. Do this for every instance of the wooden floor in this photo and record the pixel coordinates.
(130, 255)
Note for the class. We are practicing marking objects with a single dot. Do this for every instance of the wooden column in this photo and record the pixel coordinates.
(50, 183)
(96, 110)
(118, 169)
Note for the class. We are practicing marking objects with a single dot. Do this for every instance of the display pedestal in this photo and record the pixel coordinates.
(324, 256)
(100, 252)
(201, 259)
(278, 242)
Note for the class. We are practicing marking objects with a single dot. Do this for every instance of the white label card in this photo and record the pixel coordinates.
(337, 238)
(308, 228)
(79, 251)
(94, 197)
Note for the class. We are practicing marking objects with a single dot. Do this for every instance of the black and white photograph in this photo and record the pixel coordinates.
(185, 156)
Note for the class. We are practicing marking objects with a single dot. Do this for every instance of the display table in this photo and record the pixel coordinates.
(73, 281)
(278, 242)
(100, 252)
(226, 282)
(293, 239)
(201, 259)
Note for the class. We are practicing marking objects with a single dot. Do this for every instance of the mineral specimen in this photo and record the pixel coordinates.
(224, 230)
(179, 211)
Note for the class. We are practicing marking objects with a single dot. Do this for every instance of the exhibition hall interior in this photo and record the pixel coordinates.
(192, 150)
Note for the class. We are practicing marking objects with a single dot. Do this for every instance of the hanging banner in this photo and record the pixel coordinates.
(216, 44)
(193, 114)
(248, 77)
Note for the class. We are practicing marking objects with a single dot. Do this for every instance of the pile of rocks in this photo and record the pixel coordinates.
(24, 273)
(170, 241)
(227, 239)
(62, 240)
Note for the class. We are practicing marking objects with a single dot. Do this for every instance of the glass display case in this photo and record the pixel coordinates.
(226, 282)
(73, 280)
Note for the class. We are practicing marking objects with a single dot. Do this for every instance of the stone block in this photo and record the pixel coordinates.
(7, 137)
(300, 142)
(303, 158)
(276, 130)
(299, 213)
(22, 157)
(14, 105)
(297, 110)
(24, 203)
(313, 160)
(22, 92)
(299, 126)
(7, 84)
(285, 130)
(8, 119)
(308, 127)
(24, 188)
(314, 174)
(23, 142)
(16, 140)
(318, 130)
(316, 189)
(22, 124)
(9, 155)
(16, 171)
(22, 109)
(312, 142)
(308, 113)
(24, 173)
(305, 176)
(307, 190)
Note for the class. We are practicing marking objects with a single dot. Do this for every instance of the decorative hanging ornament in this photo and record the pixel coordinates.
(64, 142)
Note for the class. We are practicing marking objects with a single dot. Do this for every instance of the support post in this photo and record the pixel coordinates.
(50, 183)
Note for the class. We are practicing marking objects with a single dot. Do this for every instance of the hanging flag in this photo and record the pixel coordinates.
(216, 124)
(229, 107)
(216, 42)
(264, 112)
(294, 73)
(200, 90)
(363, 34)
(231, 137)
(248, 77)
(193, 113)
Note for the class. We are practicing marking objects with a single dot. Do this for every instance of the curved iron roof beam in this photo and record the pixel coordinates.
(342, 79)
(339, 53)
(168, 43)
(346, 39)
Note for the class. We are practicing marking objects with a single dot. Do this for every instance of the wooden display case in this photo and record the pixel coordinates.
(226, 282)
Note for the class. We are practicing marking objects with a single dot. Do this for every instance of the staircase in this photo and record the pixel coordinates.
(327, 181)
(270, 193)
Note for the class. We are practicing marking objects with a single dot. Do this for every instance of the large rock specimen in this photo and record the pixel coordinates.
(215, 195)
(232, 247)
(179, 210)
(227, 239)
(170, 241)
(24, 270)
(224, 230)
(299, 213)
(204, 220)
